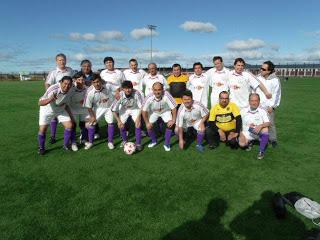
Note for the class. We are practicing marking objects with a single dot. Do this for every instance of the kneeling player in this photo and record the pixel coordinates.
(159, 104)
(129, 105)
(53, 104)
(224, 123)
(191, 114)
(255, 125)
(98, 101)
(78, 111)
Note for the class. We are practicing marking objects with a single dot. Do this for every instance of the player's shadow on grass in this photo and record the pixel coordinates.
(259, 222)
(208, 227)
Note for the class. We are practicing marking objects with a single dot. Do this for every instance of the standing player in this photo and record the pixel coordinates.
(255, 124)
(198, 84)
(129, 105)
(177, 83)
(112, 77)
(152, 77)
(77, 94)
(224, 123)
(242, 83)
(135, 75)
(98, 101)
(271, 81)
(218, 79)
(86, 69)
(54, 77)
(191, 114)
(53, 104)
(159, 104)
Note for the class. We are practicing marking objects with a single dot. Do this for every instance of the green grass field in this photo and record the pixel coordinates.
(104, 194)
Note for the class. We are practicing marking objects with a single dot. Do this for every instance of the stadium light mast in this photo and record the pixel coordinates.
(151, 28)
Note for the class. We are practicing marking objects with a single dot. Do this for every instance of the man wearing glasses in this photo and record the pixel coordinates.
(224, 123)
(271, 82)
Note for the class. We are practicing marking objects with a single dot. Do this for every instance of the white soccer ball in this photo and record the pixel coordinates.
(129, 148)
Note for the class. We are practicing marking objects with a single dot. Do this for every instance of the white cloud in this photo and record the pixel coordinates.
(100, 37)
(140, 33)
(314, 33)
(106, 48)
(250, 44)
(192, 26)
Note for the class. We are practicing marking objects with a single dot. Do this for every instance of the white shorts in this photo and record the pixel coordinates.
(103, 112)
(250, 136)
(124, 115)
(166, 116)
(195, 125)
(81, 117)
(45, 116)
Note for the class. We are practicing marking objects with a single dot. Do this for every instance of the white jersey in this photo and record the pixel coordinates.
(134, 101)
(218, 81)
(199, 86)
(56, 75)
(253, 117)
(273, 86)
(76, 100)
(62, 98)
(241, 85)
(165, 104)
(135, 77)
(149, 80)
(187, 117)
(102, 98)
(113, 78)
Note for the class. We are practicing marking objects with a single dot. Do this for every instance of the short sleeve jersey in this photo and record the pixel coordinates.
(225, 117)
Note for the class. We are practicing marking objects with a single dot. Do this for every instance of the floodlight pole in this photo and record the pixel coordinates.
(151, 28)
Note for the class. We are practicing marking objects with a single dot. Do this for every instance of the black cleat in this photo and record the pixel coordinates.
(52, 140)
(274, 144)
(260, 155)
(139, 148)
(212, 147)
(66, 148)
(41, 151)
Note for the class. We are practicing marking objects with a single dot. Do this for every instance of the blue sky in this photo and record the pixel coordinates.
(33, 32)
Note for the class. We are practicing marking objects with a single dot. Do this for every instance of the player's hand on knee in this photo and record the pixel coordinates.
(149, 126)
(138, 123)
(120, 125)
(170, 123)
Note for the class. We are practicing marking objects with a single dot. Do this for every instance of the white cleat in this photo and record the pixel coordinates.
(88, 146)
(74, 147)
(96, 136)
(151, 145)
(110, 145)
(166, 148)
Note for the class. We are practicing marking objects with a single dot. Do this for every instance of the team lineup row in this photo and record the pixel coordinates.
(117, 95)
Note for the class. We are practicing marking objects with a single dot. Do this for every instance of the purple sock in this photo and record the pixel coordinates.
(110, 132)
(167, 137)
(67, 136)
(53, 127)
(138, 136)
(152, 135)
(200, 137)
(264, 138)
(84, 134)
(73, 136)
(41, 140)
(91, 130)
(123, 134)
